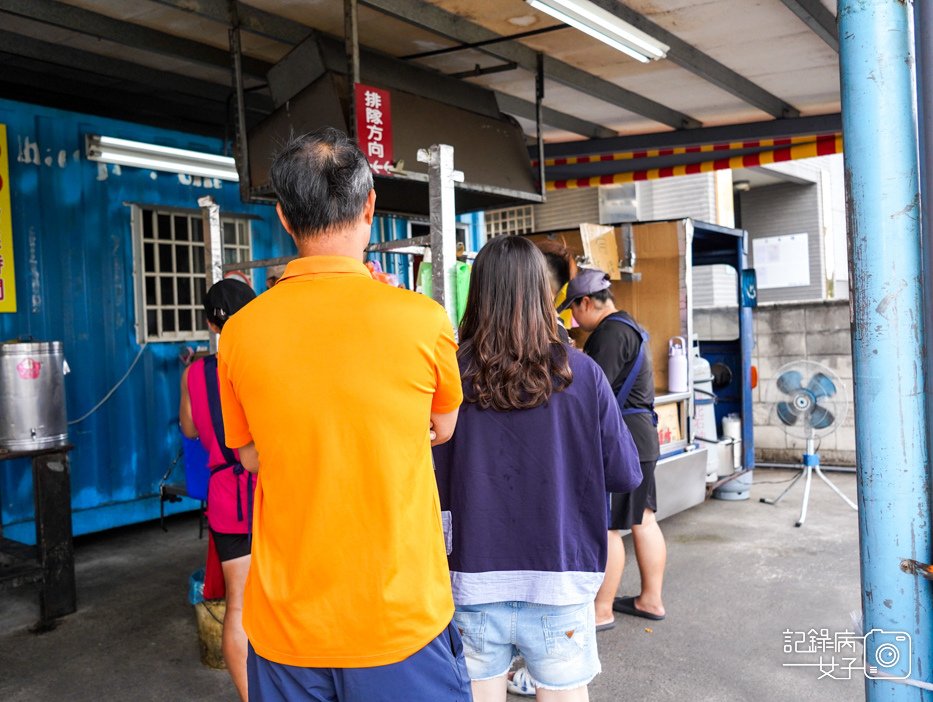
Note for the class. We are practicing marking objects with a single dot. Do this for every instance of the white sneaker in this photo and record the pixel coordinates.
(520, 683)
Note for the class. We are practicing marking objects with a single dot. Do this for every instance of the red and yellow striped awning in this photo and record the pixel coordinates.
(771, 151)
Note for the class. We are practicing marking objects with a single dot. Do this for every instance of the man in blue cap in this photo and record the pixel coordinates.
(620, 347)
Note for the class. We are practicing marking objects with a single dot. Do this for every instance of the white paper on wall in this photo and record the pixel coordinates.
(782, 261)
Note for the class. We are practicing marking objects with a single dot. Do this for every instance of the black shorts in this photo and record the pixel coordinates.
(230, 546)
(628, 508)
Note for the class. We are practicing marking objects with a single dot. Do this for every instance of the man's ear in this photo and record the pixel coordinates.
(285, 224)
(281, 214)
(369, 209)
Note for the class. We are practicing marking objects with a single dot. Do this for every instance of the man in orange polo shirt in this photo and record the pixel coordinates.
(333, 387)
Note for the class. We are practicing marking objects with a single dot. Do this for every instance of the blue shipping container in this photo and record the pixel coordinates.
(74, 260)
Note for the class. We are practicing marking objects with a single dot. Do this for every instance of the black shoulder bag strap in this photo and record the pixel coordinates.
(629, 383)
(217, 422)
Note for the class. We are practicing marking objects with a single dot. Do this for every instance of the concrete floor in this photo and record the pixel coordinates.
(739, 575)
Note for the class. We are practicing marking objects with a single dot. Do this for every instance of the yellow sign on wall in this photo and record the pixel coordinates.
(7, 278)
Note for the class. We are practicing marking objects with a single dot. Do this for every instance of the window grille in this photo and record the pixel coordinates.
(514, 220)
(170, 277)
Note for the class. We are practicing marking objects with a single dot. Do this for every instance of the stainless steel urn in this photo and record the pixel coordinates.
(32, 396)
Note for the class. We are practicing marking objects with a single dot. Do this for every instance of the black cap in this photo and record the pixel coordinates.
(225, 298)
(586, 282)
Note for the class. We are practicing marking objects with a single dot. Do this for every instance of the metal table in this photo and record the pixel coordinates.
(51, 561)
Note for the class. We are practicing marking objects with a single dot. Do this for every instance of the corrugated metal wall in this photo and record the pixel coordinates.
(74, 274)
(386, 228)
(787, 208)
(392, 228)
(567, 209)
(667, 198)
(714, 286)
(673, 198)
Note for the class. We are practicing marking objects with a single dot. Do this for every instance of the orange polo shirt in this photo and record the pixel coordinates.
(334, 376)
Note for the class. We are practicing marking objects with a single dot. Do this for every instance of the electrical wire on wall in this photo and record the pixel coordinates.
(112, 390)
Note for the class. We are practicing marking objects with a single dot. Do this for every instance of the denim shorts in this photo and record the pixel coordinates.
(558, 643)
(436, 672)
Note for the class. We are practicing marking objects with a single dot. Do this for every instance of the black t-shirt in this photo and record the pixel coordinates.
(614, 346)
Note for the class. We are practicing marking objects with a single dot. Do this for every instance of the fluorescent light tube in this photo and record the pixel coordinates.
(605, 27)
(159, 158)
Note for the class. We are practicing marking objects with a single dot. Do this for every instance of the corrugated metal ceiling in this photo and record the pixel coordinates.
(735, 62)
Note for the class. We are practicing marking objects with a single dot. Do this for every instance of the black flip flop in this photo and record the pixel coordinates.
(626, 605)
(606, 626)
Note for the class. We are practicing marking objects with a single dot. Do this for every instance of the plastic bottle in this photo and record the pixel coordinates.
(424, 284)
(677, 365)
(732, 426)
(463, 288)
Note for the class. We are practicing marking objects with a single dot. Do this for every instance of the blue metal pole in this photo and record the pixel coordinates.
(923, 21)
(746, 345)
(882, 185)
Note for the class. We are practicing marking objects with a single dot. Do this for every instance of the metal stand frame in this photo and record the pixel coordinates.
(811, 465)
(213, 248)
(51, 562)
(443, 236)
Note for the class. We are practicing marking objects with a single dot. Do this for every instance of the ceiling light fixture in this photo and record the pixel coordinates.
(159, 158)
(603, 25)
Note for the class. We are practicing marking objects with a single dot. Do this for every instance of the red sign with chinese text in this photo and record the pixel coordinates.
(374, 126)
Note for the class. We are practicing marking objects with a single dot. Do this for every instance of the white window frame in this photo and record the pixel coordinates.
(510, 221)
(238, 250)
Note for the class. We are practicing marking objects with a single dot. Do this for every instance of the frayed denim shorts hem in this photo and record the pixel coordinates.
(558, 643)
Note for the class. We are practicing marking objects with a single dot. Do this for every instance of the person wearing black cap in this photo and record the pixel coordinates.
(230, 493)
(620, 347)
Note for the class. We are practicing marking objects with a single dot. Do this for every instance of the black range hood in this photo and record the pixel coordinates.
(489, 147)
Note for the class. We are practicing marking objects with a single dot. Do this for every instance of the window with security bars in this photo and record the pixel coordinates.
(514, 220)
(170, 272)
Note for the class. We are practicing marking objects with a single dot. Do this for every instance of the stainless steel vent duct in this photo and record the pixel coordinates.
(490, 150)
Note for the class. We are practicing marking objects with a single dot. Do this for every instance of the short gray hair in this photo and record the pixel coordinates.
(322, 181)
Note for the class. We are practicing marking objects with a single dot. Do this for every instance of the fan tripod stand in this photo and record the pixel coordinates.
(811, 464)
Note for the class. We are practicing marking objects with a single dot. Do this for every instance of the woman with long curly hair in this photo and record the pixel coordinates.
(539, 442)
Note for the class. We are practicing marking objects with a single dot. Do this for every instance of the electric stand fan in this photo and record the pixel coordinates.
(808, 411)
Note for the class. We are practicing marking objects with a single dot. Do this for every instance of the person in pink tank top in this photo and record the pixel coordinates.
(230, 490)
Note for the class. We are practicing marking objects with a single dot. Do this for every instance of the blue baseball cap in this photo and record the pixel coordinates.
(586, 282)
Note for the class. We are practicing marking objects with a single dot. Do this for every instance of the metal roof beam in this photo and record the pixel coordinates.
(770, 129)
(381, 69)
(523, 108)
(819, 19)
(318, 53)
(251, 19)
(454, 27)
(378, 67)
(126, 33)
(285, 30)
(706, 67)
(123, 70)
(57, 87)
